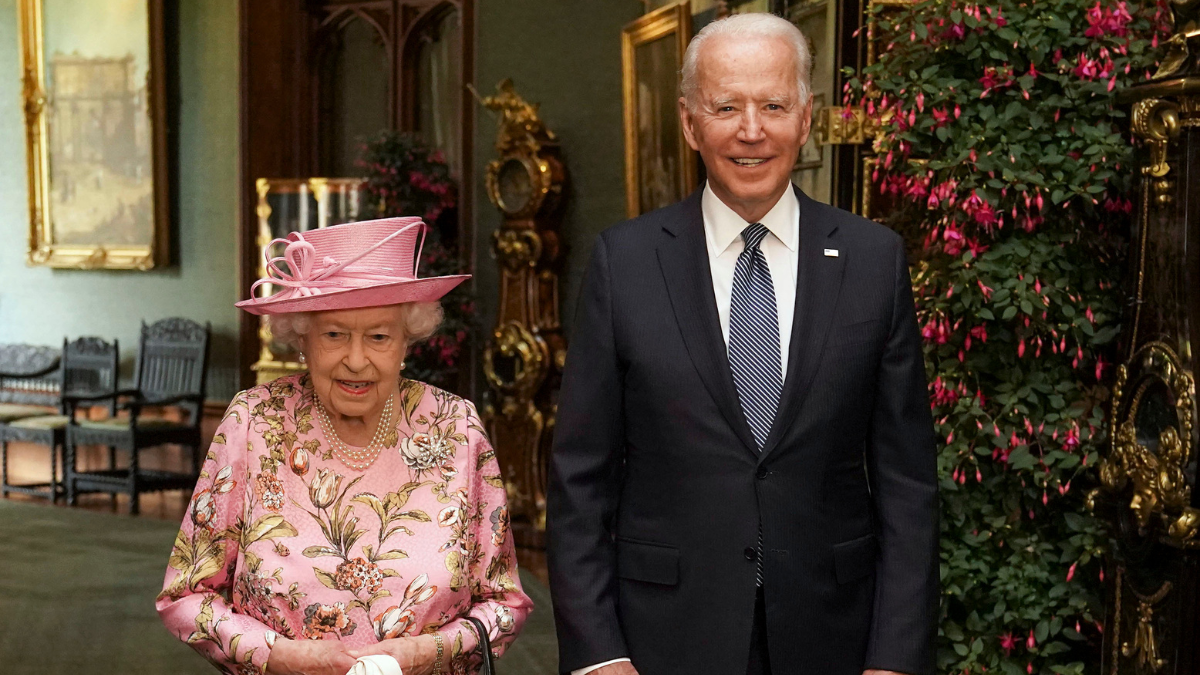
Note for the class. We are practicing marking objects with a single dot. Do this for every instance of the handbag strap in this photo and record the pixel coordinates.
(487, 667)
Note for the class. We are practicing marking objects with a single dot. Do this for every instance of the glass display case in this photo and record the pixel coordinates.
(287, 205)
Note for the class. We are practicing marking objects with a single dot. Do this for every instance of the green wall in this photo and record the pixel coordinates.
(40, 305)
(567, 57)
(564, 55)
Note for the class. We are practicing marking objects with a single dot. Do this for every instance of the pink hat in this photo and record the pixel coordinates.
(370, 263)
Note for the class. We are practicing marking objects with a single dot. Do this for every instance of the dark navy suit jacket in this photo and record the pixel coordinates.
(657, 490)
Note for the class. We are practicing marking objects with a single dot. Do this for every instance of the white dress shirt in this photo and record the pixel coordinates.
(723, 235)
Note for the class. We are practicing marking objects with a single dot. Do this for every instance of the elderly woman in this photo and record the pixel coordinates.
(347, 512)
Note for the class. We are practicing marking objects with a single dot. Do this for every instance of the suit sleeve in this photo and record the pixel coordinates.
(902, 465)
(584, 482)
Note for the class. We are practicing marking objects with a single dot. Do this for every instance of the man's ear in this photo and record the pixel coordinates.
(686, 120)
(806, 120)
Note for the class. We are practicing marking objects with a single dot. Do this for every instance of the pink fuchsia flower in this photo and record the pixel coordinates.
(1008, 643)
(1108, 20)
(1071, 441)
(953, 240)
(994, 77)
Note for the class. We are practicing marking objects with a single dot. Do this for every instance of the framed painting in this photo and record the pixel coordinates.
(660, 167)
(95, 124)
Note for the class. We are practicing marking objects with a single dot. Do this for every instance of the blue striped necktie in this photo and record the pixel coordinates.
(754, 352)
(754, 336)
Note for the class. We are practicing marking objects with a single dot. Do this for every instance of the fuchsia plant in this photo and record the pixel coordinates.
(998, 134)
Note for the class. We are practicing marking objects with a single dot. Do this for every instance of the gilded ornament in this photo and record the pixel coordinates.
(1153, 482)
(837, 125)
(529, 352)
(517, 248)
(1156, 121)
(520, 126)
(1144, 648)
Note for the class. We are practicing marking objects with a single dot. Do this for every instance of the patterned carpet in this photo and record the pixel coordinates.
(77, 596)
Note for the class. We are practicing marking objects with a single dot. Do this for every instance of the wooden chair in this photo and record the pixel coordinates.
(29, 386)
(89, 366)
(171, 365)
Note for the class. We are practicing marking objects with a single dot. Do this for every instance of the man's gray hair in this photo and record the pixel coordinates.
(752, 26)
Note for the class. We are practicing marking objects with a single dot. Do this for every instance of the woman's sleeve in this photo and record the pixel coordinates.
(496, 594)
(195, 603)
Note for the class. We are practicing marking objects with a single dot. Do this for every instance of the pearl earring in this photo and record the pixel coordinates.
(302, 357)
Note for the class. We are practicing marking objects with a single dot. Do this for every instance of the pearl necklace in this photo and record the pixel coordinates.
(357, 459)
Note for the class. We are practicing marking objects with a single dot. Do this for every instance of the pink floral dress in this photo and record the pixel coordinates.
(282, 539)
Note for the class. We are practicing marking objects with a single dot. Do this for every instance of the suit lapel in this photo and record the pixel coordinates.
(818, 286)
(683, 257)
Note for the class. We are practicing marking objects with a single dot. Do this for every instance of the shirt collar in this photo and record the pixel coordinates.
(722, 226)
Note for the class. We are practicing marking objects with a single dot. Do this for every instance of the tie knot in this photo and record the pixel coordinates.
(753, 235)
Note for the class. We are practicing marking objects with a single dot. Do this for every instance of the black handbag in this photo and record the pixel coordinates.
(487, 667)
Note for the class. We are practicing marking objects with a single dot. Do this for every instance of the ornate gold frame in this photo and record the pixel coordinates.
(672, 20)
(43, 250)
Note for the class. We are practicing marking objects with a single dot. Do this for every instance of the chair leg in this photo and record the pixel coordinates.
(133, 481)
(53, 472)
(69, 471)
(4, 470)
(112, 466)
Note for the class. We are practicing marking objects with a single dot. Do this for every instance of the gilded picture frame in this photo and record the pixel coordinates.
(660, 167)
(93, 85)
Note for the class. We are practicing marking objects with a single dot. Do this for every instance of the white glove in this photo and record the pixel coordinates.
(376, 664)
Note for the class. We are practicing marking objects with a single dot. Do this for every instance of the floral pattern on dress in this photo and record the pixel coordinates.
(283, 540)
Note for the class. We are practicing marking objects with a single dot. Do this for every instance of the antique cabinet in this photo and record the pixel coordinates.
(1148, 474)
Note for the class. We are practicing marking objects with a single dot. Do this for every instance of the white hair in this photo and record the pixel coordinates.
(758, 26)
(418, 320)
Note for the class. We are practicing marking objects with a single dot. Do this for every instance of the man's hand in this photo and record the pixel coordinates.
(622, 668)
(309, 657)
(415, 655)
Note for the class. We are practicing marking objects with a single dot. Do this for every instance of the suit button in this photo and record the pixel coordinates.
(762, 473)
(751, 554)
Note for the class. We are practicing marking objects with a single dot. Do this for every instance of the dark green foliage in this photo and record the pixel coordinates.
(999, 138)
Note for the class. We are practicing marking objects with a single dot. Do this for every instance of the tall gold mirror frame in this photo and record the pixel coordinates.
(673, 23)
(43, 249)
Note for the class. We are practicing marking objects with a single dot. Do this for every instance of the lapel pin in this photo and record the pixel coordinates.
(831, 252)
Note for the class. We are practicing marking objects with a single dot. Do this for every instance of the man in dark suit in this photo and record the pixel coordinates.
(744, 475)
